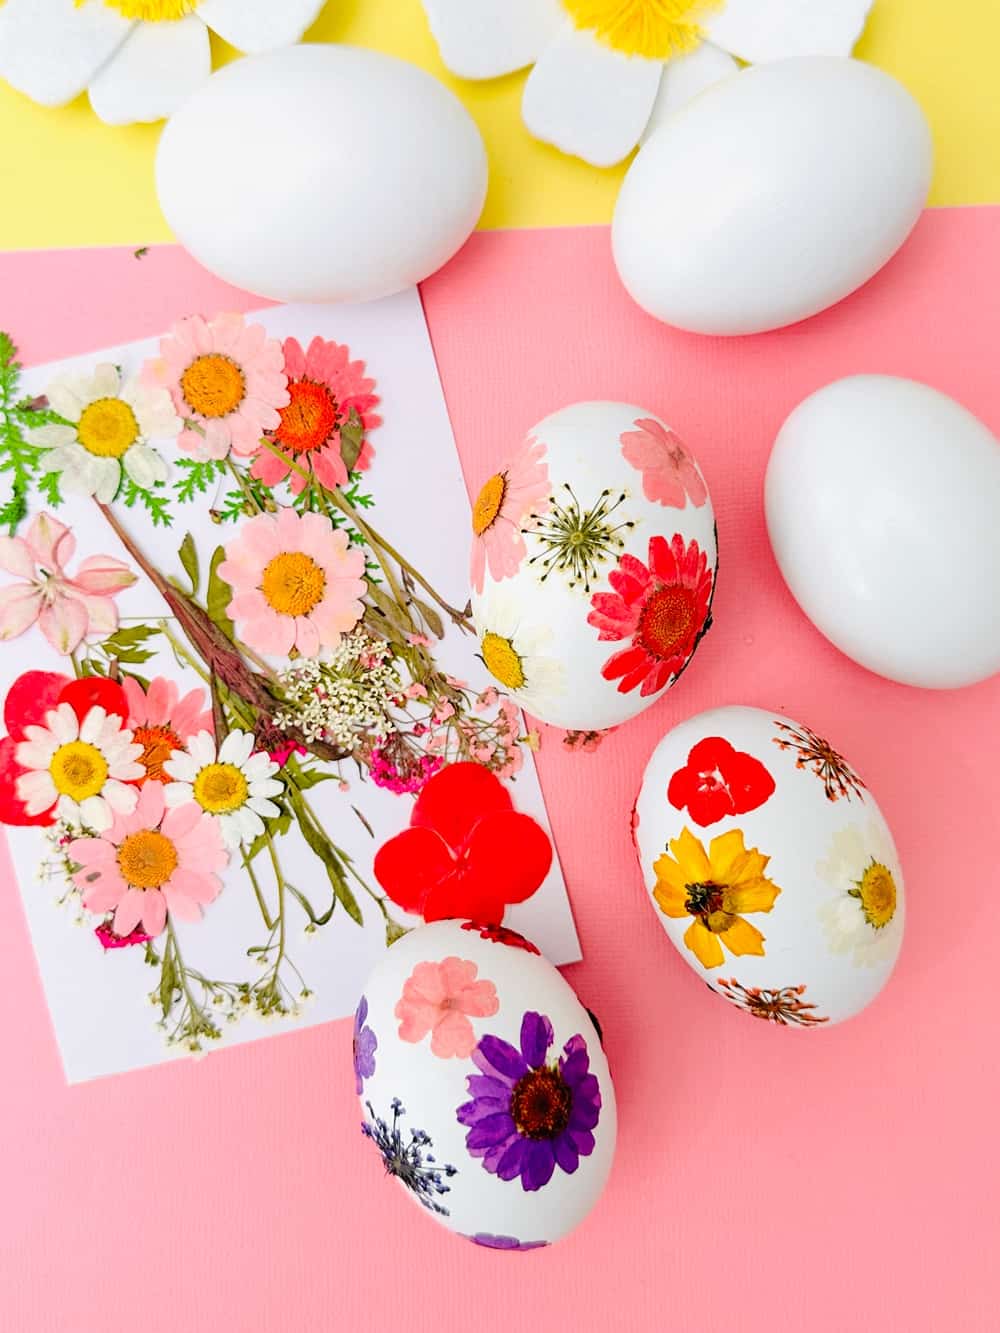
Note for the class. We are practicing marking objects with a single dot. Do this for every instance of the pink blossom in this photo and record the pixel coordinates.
(419, 640)
(486, 699)
(409, 779)
(516, 495)
(443, 710)
(669, 473)
(415, 691)
(440, 998)
(283, 753)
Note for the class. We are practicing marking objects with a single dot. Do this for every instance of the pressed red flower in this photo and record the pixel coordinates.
(501, 935)
(719, 780)
(467, 853)
(109, 940)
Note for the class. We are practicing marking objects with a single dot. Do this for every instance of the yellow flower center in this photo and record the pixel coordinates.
(502, 662)
(107, 428)
(78, 770)
(488, 503)
(293, 583)
(150, 11)
(147, 859)
(219, 788)
(877, 891)
(213, 385)
(656, 29)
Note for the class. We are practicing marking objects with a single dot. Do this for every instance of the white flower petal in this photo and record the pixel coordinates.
(120, 797)
(261, 806)
(63, 723)
(684, 78)
(52, 436)
(241, 825)
(176, 793)
(145, 466)
(259, 766)
(201, 748)
(36, 790)
(108, 472)
(95, 813)
(236, 748)
(159, 66)
(69, 812)
(589, 100)
(36, 754)
(51, 49)
(93, 724)
(105, 380)
(259, 25)
(64, 391)
(758, 30)
(266, 788)
(481, 39)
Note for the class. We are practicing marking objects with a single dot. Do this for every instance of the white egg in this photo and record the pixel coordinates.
(321, 173)
(484, 1085)
(772, 195)
(883, 507)
(593, 565)
(770, 866)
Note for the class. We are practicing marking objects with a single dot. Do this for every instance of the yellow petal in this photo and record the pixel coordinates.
(743, 938)
(756, 895)
(725, 851)
(670, 900)
(704, 945)
(666, 869)
(691, 858)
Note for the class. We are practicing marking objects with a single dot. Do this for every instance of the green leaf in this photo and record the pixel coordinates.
(128, 637)
(196, 477)
(156, 506)
(48, 484)
(220, 594)
(430, 618)
(322, 847)
(309, 777)
(277, 827)
(189, 559)
(352, 437)
(168, 982)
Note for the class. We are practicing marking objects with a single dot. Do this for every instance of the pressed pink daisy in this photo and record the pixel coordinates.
(670, 475)
(227, 382)
(507, 501)
(151, 862)
(440, 998)
(162, 721)
(296, 583)
(324, 385)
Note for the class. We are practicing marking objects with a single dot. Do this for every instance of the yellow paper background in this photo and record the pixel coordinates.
(66, 179)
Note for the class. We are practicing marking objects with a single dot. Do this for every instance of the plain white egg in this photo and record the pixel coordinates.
(321, 173)
(770, 866)
(883, 507)
(772, 195)
(483, 1083)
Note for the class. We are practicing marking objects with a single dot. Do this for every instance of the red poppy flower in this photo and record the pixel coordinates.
(719, 781)
(501, 935)
(28, 700)
(467, 852)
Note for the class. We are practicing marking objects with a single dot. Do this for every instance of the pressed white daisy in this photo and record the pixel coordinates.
(111, 422)
(233, 783)
(513, 651)
(81, 768)
(864, 917)
(608, 71)
(139, 59)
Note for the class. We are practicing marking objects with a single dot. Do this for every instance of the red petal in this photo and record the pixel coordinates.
(11, 809)
(30, 698)
(91, 692)
(456, 798)
(409, 865)
(465, 896)
(511, 852)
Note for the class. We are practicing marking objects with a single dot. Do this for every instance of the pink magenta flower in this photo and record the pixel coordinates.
(162, 721)
(506, 502)
(150, 862)
(67, 609)
(439, 998)
(324, 386)
(227, 382)
(296, 583)
(669, 474)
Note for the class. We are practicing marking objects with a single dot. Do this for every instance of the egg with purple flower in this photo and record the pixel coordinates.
(484, 1085)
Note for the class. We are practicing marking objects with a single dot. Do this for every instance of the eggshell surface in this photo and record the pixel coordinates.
(593, 565)
(321, 173)
(484, 1085)
(772, 195)
(770, 866)
(882, 498)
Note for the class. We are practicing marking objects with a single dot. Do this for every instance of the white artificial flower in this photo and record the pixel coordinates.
(81, 768)
(110, 424)
(608, 72)
(513, 651)
(139, 59)
(234, 784)
(864, 916)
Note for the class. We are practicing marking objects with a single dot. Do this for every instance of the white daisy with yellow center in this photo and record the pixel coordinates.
(514, 651)
(606, 72)
(864, 917)
(232, 783)
(82, 768)
(111, 422)
(139, 59)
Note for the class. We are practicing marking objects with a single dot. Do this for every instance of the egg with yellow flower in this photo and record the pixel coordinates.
(770, 866)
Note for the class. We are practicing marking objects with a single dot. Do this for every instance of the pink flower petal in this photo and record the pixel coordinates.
(130, 911)
(51, 542)
(181, 819)
(200, 888)
(16, 557)
(182, 907)
(64, 624)
(20, 606)
(154, 910)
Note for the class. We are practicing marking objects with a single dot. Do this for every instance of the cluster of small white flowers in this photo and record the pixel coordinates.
(346, 696)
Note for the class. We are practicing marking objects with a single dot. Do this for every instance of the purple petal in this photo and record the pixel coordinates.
(497, 1056)
(536, 1038)
(583, 1141)
(566, 1154)
(584, 1114)
(511, 1162)
(539, 1163)
(490, 1130)
(491, 1156)
(361, 1014)
(472, 1112)
(576, 1062)
(481, 1085)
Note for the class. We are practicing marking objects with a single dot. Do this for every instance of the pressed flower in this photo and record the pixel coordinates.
(717, 889)
(501, 935)
(109, 940)
(814, 753)
(365, 1044)
(663, 607)
(410, 1160)
(717, 781)
(670, 475)
(67, 608)
(864, 917)
(783, 1005)
(527, 1116)
(227, 382)
(324, 386)
(232, 784)
(162, 721)
(29, 698)
(111, 424)
(296, 580)
(513, 651)
(575, 541)
(503, 506)
(467, 852)
(150, 862)
(441, 998)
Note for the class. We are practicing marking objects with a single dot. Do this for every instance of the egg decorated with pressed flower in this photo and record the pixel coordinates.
(770, 866)
(593, 565)
(484, 1085)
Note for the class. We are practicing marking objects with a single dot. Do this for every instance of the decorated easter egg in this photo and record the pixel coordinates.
(593, 565)
(483, 1084)
(882, 499)
(321, 173)
(772, 195)
(770, 866)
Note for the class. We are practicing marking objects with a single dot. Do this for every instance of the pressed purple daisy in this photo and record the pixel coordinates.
(504, 1242)
(365, 1046)
(526, 1117)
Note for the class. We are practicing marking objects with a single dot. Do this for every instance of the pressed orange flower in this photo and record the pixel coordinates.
(715, 888)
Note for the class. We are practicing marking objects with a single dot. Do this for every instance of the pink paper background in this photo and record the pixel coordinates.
(766, 1180)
